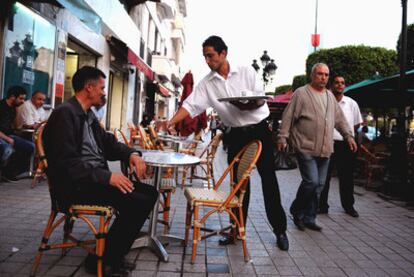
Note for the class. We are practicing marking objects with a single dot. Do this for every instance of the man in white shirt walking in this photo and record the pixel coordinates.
(342, 158)
(247, 122)
(32, 113)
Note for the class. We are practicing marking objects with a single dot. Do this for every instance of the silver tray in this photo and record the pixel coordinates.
(241, 98)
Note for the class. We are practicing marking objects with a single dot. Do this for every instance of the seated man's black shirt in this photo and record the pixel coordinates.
(7, 116)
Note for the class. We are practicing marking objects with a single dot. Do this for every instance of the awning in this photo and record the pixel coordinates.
(163, 90)
(127, 55)
(140, 64)
(85, 14)
(382, 92)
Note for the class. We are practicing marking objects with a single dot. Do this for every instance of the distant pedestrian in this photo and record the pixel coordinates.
(213, 126)
(343, 159)
(308, 122)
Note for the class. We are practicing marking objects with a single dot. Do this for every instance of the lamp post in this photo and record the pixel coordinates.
(268, 67)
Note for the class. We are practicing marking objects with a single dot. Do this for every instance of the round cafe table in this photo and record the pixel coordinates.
(159, 159)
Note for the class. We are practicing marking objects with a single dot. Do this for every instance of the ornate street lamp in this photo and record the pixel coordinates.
(268, 66)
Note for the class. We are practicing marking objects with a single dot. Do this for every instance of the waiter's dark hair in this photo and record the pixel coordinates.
(216, 42)
(84, 75)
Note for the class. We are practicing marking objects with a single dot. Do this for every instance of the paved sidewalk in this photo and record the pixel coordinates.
(378, 243)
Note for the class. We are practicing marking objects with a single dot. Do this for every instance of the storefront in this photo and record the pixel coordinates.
(77, 56)
(29, 52)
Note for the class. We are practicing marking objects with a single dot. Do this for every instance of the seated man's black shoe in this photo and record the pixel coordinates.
(313, 226)
(352, 212)
(120, 269)
(299, 223)
(282, 241)
(226, 240)
(127, 265)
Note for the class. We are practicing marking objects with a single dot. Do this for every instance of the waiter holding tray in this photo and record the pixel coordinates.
(236, 93)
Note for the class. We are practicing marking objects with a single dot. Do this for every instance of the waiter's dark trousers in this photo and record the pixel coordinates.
(238, 138)
(343, 159)
(132, 211)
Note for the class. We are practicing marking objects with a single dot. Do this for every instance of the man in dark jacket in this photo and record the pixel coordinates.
(78, 149)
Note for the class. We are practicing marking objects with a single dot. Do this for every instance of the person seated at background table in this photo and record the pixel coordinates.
(99, 110)
(23, 149)
(31, 113)
(77, 149)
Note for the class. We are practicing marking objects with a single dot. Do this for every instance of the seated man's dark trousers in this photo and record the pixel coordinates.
(240, 137)
(132, 211)
(343, 159)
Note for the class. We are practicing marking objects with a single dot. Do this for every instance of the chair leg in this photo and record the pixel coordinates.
(166, 211)
(67, 230)
(43, 244)
(100, 245)
(187, 224)
(184, 177)
(242, 234)
(196, 232)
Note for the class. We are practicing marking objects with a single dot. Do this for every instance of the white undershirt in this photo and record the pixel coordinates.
(28, 114)
(213, 86)
(352, 114)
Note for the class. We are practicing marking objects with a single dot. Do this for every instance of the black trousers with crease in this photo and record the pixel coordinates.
(238, 138)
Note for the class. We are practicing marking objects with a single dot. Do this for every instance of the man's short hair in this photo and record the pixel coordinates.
(37, 92)
(84, 75)
(316, 65)
(216, 42)
(16, 91)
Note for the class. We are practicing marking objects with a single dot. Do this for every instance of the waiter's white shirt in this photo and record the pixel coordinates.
(352, 114)
(28, 114)
(214, 86)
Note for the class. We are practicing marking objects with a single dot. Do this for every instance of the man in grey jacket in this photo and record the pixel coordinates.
(308, 122)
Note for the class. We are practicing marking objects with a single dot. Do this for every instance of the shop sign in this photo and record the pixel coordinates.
(28, 77)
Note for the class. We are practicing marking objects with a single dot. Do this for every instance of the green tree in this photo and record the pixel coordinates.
(355, 63)
(298, 81)
(410, 47)
(283, 88)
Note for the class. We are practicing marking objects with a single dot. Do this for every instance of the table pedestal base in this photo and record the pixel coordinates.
(153, 244)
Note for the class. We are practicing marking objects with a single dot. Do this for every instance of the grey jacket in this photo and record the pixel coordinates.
(308, 128)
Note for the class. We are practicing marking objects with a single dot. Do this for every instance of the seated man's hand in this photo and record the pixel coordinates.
(121, 182)
(137, 164)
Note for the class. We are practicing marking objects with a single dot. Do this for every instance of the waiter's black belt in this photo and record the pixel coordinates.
(250, 127)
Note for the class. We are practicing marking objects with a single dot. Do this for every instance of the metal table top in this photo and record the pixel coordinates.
(168, 159)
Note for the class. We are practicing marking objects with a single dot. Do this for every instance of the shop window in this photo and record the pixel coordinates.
(29, 51)
(76, 57)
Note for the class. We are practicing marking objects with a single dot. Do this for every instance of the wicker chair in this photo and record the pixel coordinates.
(39, 159)
(220, 201)
(206, 163)
(68, 218)
(374, 167)
(167, 185)
(134, 136)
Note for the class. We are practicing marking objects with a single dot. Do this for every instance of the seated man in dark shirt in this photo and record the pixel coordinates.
(22, 148)
(77, 149)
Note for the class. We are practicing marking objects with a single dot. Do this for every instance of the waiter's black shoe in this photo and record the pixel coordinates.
(226, 240)
(120, 269)
(313, 226)
(282, 241)
(352, 212)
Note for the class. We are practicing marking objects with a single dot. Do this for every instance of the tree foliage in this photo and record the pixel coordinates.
(283, 88)
(355, 63)
(298, 81)
(410, 47)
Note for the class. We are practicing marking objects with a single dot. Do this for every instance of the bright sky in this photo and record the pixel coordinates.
(284, 28)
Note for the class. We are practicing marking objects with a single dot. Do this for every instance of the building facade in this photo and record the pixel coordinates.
(137, 44)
